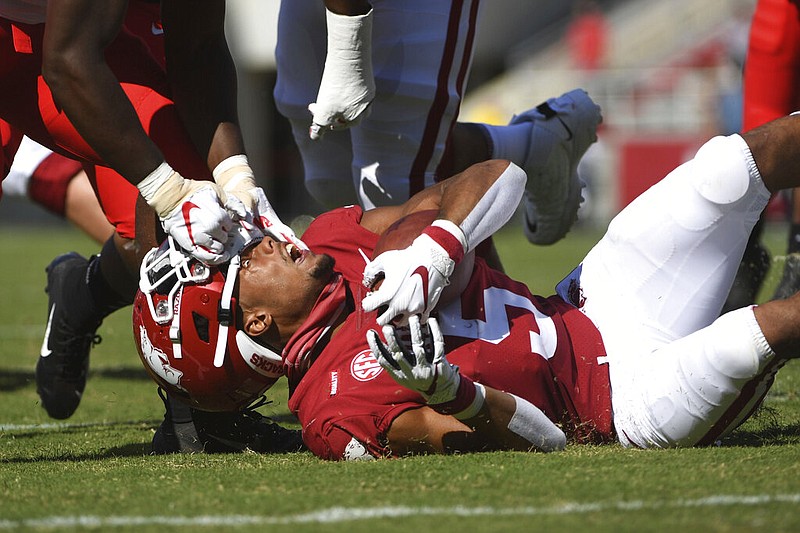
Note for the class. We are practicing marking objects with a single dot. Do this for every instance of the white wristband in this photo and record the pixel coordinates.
(496, 206)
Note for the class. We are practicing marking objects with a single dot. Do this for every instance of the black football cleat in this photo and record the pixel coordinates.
(790, 279)
(186, 430)
(64, 357)
(749, 277)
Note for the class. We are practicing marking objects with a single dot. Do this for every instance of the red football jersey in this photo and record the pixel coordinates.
(498, 333)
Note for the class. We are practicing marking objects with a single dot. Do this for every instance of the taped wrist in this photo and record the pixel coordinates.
(348, 84)
(350, 39)
(164, 189)
(236, 177)
(234, 173)
(449, 237)
(468, 401)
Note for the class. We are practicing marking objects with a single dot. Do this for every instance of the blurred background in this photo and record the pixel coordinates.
(667, 75)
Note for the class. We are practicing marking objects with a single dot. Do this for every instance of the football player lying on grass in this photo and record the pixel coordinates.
(439, 353)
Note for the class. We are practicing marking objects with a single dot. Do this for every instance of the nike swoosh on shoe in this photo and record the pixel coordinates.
(45, 350)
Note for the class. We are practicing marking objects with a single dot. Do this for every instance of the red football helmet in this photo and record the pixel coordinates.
(184, 323)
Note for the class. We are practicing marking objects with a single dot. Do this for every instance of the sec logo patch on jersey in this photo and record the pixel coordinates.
(364, 366)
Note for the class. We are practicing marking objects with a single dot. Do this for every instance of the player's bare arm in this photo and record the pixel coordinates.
(454, 197)
(74, 66)
(461, 415)
(424, 430)
(202, 75)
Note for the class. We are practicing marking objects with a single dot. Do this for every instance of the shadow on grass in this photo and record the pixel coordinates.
(126, 450)
(14, 379)
(139, 449)
(765, 429)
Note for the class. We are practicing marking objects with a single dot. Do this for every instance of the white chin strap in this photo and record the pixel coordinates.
(225, 313)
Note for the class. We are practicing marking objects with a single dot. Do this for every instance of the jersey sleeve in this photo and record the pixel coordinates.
(346, 402)
(356, 431)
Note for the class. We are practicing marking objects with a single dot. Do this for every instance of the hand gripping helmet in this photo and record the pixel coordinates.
(184, 323)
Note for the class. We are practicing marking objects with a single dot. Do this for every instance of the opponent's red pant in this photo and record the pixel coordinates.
(27, 104)
(772, 68)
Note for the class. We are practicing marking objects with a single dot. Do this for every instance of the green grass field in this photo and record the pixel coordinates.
(94, 471)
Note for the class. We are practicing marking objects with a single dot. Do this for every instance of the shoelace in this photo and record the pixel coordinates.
(75, 350)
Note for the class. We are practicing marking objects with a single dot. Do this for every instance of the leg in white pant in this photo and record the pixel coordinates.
(659, 277)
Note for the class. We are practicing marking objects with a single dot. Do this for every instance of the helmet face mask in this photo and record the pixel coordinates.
(186, 332)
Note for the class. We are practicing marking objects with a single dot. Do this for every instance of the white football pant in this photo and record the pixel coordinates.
(654, 286)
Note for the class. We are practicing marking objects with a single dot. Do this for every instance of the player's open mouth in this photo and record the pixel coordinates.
(295, 253)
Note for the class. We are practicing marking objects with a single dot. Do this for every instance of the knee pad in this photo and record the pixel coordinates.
(720, 169)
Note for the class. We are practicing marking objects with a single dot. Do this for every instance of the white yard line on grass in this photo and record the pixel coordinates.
(50, 425)
(66, 425)
(344, 514)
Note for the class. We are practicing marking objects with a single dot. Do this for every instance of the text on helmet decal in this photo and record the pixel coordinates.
(259, 358)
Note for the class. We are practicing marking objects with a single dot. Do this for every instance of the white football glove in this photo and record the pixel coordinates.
(424, 368)
(190, 211)
(413, 278)
(200, 225)
(348, 86)
(236, 178)
(267, 219)
(243, 234)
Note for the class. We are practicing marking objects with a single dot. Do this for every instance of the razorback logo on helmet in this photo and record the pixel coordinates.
(364, 366)
(261, 359)
(158, 361)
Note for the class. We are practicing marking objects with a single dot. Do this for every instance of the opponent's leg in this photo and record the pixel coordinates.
(548, 142)
(81, 292)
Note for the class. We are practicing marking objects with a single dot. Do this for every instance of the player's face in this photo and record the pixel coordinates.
(282, 278)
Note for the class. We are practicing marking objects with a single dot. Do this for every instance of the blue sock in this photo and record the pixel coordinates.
(510, 142)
